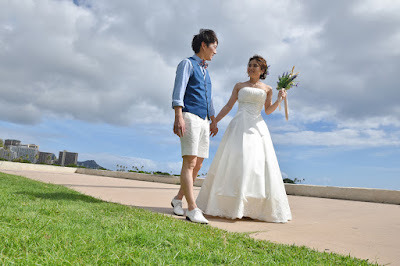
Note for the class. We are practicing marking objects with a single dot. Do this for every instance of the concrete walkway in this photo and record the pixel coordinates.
(362, 229)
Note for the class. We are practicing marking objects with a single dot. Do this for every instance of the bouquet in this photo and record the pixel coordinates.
(286, 81)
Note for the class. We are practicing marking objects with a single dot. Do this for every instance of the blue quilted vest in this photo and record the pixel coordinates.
(197, 99)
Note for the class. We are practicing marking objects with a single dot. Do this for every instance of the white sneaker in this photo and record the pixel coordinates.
(196, 216)
(177, 205)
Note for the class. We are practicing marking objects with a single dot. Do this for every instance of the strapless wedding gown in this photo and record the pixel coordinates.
(244, 179)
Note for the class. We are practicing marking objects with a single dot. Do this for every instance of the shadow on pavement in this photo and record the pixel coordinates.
(168, 211)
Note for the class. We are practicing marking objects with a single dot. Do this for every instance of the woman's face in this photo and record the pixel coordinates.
(253, 69)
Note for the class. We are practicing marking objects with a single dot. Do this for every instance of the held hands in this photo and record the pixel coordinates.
(213, 129)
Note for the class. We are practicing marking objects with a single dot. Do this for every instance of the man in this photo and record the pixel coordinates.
(191, 100)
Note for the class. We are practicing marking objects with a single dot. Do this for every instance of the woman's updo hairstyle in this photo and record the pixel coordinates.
(263, 65)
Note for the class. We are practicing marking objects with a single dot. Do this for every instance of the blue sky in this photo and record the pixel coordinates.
(96, 77)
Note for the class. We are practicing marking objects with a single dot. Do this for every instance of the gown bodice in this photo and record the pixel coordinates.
(251, 100)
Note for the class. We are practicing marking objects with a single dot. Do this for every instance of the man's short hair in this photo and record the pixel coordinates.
(206, 36)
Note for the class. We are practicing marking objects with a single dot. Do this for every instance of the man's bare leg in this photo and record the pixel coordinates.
(188, 166)
(196, 169)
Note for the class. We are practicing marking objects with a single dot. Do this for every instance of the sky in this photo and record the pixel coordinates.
(96, 77)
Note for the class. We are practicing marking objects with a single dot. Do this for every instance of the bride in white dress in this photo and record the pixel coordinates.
(244, 179)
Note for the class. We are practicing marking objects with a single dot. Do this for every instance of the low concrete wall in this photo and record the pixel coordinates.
(136, 176)
(5, 165)
(346, 193)
(130, 175)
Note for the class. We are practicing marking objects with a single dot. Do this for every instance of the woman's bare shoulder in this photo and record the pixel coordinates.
(239, 86)
(266, 87)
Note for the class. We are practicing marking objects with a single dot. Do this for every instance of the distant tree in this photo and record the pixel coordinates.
(288, 180)
(1, 143)
(18, 160)
(160, 173)
(293, 181)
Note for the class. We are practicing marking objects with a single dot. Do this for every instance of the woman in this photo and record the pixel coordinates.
(244, 179)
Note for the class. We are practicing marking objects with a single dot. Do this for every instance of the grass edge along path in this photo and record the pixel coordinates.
(51, 224)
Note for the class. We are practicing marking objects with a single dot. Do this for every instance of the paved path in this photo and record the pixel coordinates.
(361, 229)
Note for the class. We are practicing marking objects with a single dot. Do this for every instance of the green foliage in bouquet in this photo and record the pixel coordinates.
(287, 80)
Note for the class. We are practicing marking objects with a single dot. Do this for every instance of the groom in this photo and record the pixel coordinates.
(191, 100)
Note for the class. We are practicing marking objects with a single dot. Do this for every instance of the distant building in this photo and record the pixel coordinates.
(33, 146)
(11, 142)
(67, 158)
(7, 154)
(25, 153)
(46, 157)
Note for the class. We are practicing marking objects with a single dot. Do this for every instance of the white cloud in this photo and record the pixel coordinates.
(370, 123)
(382, 8)
(111, 61)
(341, 137)
(61, 59)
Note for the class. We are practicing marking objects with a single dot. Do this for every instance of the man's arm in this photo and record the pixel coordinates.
(179, 124)
(183, 73)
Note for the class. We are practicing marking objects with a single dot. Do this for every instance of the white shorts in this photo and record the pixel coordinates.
(196, 139)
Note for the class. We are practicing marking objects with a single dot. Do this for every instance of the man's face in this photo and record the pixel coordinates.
(209, 51)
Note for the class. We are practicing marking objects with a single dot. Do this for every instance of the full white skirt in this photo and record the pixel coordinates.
(244, 179)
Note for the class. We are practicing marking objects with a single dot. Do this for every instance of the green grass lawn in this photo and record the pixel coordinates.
(42, 224)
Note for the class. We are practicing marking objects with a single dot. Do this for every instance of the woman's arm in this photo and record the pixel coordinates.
(229, 105)
(224, 111)
(269, 106)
